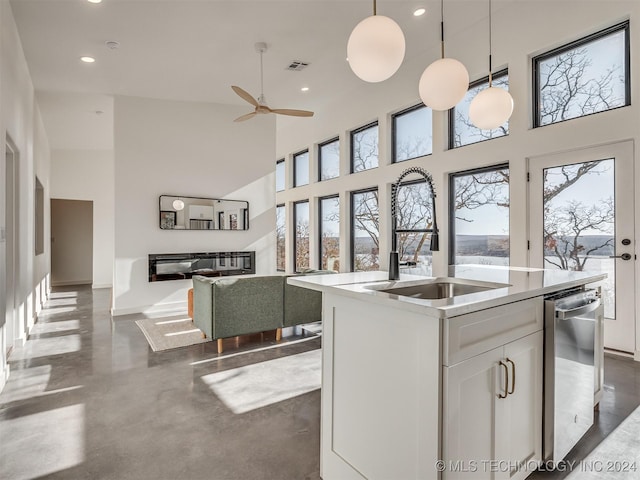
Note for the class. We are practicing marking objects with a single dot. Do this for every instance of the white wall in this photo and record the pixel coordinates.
(88, 175)
(520, 31)
(20, 119)
(192, 149)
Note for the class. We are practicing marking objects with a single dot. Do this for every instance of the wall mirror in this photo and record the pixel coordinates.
(194, 213)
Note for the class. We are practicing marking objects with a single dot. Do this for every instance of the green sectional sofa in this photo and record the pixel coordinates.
(226, 307)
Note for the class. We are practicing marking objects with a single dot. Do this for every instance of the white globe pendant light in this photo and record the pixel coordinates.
(446, 81)
(178, 204)
(493, 106)
(376, 48)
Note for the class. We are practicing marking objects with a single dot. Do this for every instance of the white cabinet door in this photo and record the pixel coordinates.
(519, 433)
(469, 414)
(493, 412)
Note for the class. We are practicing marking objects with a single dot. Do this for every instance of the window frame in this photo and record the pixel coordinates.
(282, 205)
(295, 234)
(324, 144)
(452, 111)
(284, 166)
(452, 212)
(394, 129)
(295, 168)
(535, 61)
(352, 237)
(355, 131)
(320, 231)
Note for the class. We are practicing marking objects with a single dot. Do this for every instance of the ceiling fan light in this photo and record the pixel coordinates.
(376, 48)
(443, 84)
(491, 108)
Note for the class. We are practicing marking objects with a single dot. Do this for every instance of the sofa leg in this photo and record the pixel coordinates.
(219, 345)
(278, 334)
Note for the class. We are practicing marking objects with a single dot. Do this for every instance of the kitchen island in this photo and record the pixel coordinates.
(419, 374)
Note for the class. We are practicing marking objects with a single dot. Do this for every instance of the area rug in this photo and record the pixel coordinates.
(617, 457)
(165, 334)
(254, 386)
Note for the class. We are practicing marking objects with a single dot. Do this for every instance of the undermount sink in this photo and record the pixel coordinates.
(438, 288)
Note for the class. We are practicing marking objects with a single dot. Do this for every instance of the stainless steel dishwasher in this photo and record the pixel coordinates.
(569, 345)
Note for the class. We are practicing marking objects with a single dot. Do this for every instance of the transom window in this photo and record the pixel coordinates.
(479, 222)
(364, 148)
(587, 76)
(301, 168)
(412, 133)
(461, 130)
(280, 175)
(329, 159)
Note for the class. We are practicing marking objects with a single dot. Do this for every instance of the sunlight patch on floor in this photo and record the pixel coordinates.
(53, 327)
(258, 385)
(45, 347)
(54, 440)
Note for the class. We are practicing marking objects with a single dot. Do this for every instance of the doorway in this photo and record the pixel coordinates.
(71, 242)
(582, 218)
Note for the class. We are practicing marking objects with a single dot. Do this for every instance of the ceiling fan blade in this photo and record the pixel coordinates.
(294, 113)
(245, 117)
(245, 96)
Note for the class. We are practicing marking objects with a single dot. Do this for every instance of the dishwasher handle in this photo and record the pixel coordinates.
(562, 314)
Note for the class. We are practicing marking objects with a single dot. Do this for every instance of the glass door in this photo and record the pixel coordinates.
(582, 219)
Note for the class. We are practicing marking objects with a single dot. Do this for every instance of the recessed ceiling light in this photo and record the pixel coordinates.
(88, 59)
(419, 11)
(304, 89)
(94, 1)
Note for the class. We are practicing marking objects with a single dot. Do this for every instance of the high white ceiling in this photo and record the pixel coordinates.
(194, 50)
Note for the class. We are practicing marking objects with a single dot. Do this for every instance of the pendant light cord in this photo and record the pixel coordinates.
(490, 66)
(442, 28)
(375, 10)
(261, 75)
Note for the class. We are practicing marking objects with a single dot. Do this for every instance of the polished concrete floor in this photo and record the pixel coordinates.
(88, 399)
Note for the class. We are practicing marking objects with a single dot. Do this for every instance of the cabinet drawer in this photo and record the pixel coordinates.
(468, 335)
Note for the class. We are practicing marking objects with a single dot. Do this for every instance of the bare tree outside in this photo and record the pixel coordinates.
(412, 133)
(329, 158)
(364, 149)
(586, 79)
(281, 225)
(330, 233)
(464, 132)
(302, 235)
(365, 230)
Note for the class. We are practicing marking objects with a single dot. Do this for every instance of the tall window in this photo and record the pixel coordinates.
(587, 76)
(329, 159)
(301, 247)
(301, 168)
(414, 212)
(39, 215)
(412, 133)
(479, 222)
(281, 227)
(365, 230)
(461, 130)
(329, 233)
(280, 178)
(364, 148)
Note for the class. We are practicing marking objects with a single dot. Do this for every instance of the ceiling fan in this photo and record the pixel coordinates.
(260, 103)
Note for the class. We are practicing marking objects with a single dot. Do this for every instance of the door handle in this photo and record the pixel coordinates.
(506, 380)
(624, 256)
(513, 377)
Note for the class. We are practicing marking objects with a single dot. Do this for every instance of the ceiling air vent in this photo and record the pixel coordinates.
(297, 65)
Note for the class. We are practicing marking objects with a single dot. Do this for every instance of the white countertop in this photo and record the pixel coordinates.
(521, 283)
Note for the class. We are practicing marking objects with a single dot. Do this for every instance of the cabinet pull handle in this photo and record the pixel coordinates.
(513, 377)
(506, 380)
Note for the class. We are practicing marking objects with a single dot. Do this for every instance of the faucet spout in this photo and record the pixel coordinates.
(394, 261)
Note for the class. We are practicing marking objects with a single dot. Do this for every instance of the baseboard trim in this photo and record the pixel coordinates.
(97, 286)
(71, 283)
(173, 308)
